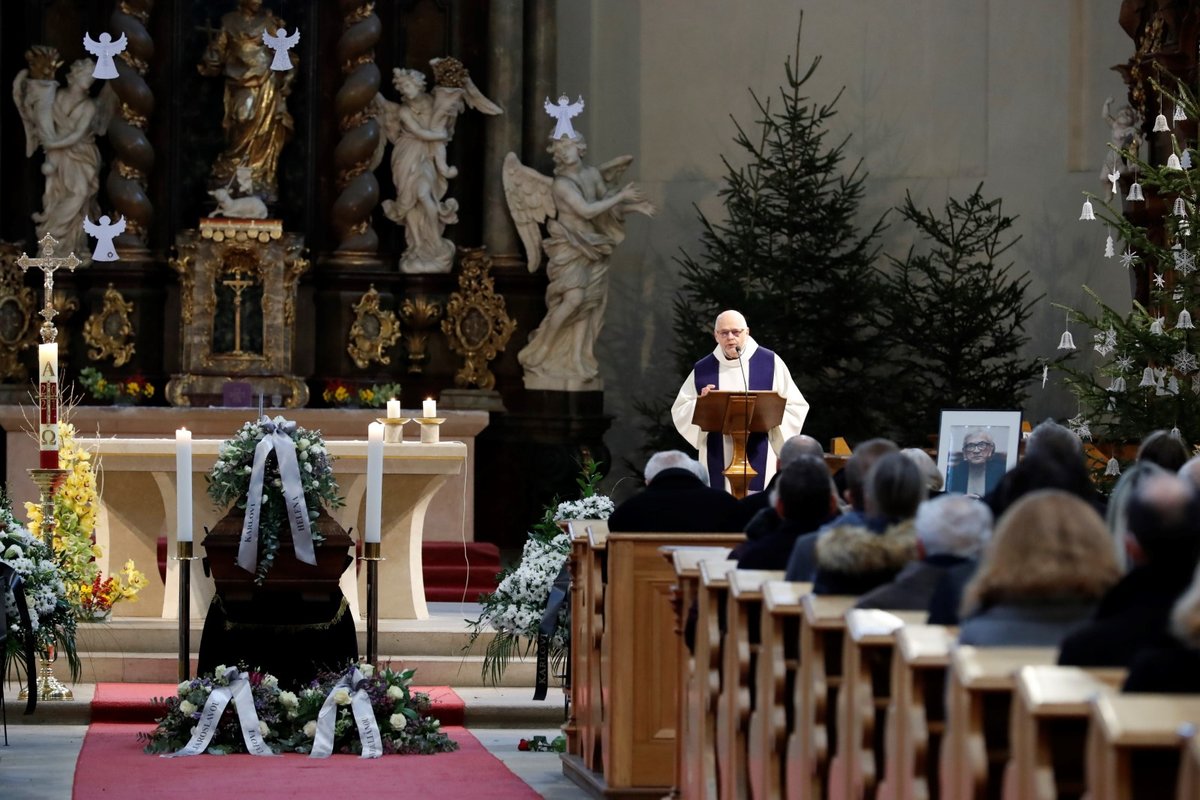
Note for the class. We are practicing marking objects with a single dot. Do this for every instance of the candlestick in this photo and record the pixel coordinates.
(374, 508)
(48, 405)
(393, 408)
(183, 485)
(429, 408)
(430, 432)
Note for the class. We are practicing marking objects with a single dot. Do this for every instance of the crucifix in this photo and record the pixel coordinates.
(238, 284)
(47, 262)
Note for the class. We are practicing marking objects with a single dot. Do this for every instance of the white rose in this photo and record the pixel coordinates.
(367, 670)
(263, 729)
(184, 688)
(341, 696)
(395, 692)
(270, 681)
(187, 707)
(310, 729)
(220, 670)
(398, 721)
(288, 700)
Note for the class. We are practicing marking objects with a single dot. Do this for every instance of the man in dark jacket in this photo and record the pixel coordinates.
(756, 513)
(803, 499)
(677, 498)
(1163, 544)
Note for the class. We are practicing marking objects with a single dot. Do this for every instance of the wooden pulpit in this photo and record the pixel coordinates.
(737, 415)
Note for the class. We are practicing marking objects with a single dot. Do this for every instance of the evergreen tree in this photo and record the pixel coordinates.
(790, 257)
(1146, 375)
(952, 320)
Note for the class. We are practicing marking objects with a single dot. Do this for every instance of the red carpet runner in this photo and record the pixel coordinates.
(112, 765)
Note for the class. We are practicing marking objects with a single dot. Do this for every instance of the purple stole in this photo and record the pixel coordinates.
(760, 375)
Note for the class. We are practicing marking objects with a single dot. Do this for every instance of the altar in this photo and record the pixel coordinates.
(428, 492)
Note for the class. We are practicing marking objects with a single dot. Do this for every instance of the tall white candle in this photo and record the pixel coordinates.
(374, 509)
(48, 405)
(393, 407)
(429, 408)
(183, 485)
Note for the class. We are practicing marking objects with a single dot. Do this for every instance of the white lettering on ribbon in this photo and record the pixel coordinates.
(239, 691)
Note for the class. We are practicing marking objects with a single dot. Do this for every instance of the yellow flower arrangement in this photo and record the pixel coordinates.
(75, 507)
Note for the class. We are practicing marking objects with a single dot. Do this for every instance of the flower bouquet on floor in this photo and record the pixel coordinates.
(291, 722)
(514, 611)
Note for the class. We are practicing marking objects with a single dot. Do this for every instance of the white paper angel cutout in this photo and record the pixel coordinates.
(104, 51)
(562, 114)
(104, 231)
(281, 43)
(1114, 178)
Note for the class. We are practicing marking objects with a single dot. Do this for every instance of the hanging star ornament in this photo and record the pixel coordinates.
(1160, 281)
(1185, 362)
(1186, 264)
(1079, 426)
(1123, 363)
(1128, 258)
(1196, 384)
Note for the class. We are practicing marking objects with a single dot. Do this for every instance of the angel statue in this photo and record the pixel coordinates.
(585, 221)
(64, 122)
(418, 129)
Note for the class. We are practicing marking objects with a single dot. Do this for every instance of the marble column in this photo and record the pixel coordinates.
(506, 23)
(541, 74)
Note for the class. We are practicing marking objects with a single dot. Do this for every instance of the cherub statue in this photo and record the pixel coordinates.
(64, 122)
(1124, 144)
(585, 221)
(418, 128)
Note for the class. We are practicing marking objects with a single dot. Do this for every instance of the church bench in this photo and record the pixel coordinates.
(1048, 729)
(708, 650)
(917, 711)
(588, 542)
(1134, 746)
(864, 697)
(778, 662)
(821, 628)
(639, 663)
(686, 562)
(975, 748)
(1189, 769)
(743, 606)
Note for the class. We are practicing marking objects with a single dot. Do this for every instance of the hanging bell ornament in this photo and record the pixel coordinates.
(1185, 320)
(1178, 434)
(1156, 327)
(1113, 468)
(1135, 192)
(1087, 212)
(1117, 385)
(1067, 342)
(1147, 378)
(1109, 249)
(1160, 124)
(1179, 209)
(1173, 162)
(1178, 115)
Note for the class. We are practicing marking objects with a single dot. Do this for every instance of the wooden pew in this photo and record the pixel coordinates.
(592, 725)
(639, 665)
(863, 700)
(743, 609)
(1189, 770)
(975, 748)
(686, 563)
(709, 646)
(917, 711)
(778, 662)
(821, 630)
(1134, 746)
(585, 652)
(1048, 730)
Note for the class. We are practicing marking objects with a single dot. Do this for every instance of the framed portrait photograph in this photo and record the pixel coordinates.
(976, 448)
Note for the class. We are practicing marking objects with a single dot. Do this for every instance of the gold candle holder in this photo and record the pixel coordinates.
(48, 686)
(430, 433)
(393, 428)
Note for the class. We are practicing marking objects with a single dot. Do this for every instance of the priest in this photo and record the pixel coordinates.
(736, 364)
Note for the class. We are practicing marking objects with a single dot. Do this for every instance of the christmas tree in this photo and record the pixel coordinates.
(1146, 376)
(952, 323)
(790, 257)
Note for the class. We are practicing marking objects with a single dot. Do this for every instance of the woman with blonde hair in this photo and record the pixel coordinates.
(1045, 567)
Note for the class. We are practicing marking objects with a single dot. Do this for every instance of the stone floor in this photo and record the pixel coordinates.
(39, 761)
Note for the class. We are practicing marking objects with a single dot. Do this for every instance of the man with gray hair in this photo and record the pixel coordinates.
(951, 530)
(676, 499)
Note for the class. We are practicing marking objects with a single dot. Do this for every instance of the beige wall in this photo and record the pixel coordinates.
(939, 95)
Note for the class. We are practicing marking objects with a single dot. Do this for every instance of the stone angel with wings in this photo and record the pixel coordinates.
(584, 216)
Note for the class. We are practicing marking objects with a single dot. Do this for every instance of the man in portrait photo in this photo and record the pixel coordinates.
(978, 467)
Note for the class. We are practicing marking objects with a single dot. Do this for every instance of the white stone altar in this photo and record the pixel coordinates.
(137, 487)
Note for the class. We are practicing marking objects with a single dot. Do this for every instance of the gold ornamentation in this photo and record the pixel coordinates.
(477, 322)
(240, 230)
(44, 62)
(373, 331)
(419, 315)
(109, 331)
(18, 304)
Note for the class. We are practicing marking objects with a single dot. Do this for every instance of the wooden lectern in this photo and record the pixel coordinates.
(737, 415)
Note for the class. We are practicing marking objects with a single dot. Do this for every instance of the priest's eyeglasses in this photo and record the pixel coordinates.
(977, 447)
(731, 332)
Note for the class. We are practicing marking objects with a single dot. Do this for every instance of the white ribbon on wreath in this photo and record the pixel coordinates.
(277, 437)
(364, 717)
(238, 689)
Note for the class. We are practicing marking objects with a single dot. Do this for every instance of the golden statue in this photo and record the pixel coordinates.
(257, 123)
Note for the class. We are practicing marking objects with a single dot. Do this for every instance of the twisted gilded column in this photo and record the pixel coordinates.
(133, 155)
(358, 189)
